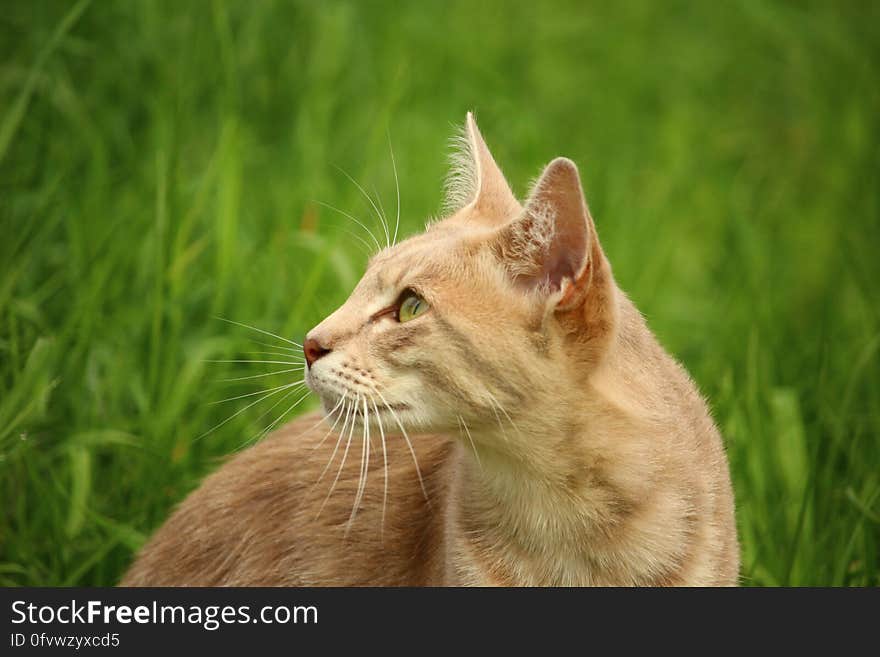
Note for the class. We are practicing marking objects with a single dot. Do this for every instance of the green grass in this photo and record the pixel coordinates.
(161, 163)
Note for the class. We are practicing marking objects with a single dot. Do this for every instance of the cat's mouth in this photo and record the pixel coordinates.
(351, 411)
(357, 406)
(355, 403)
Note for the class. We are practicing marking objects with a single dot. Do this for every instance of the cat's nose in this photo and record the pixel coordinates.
(313, 350)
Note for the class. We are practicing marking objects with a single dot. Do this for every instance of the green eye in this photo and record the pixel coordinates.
(411, 307)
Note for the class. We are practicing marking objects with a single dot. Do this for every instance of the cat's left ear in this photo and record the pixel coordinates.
(552, 247)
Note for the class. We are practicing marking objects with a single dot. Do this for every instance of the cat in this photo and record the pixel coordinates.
(523, 426)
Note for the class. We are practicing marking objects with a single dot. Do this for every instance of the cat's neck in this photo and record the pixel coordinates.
(515, 521)
(550, 503)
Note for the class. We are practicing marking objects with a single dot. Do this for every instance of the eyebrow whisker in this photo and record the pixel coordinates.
(354, 219)
(370, 199)
(397, 188)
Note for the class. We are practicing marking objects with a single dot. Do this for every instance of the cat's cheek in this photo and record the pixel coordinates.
(431, 414)
(417, 406)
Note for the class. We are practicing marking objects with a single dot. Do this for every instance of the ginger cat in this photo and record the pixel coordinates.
(557, 443)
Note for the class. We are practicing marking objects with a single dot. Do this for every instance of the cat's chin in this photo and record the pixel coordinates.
(391, 417)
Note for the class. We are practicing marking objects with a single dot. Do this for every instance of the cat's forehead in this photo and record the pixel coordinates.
(426, 256)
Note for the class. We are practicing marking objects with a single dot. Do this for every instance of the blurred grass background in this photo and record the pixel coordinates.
(161, 163)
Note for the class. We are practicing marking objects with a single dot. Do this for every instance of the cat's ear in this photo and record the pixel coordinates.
(552, 245)
(475, 181)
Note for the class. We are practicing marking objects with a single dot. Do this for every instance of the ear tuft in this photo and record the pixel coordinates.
(475, 180)
(463, 178)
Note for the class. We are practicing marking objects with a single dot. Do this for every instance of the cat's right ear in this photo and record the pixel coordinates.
(475, 181)
(552, 246)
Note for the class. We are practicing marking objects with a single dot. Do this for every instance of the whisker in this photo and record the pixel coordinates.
(338, 441)
(286, 396)
(274, 424)
(357, 221)
(257, 376)
(365, 465)
(260, 392)
(369, 249)
(370, 199)
(497, 417)
(384, 217)
(408, 443)
(254, 328)
(503, 410)
(335, 422)
(268, 362)
(296, 352)
(344, 457)
(385, 462)
(397, 188)
(283, 397)
(462, 423)
(237, 413)
(274, 353)
(365, 438)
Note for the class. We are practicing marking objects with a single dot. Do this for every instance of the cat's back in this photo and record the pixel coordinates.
(267, 518)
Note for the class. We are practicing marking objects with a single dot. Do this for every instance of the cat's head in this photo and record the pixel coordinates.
(485, 316)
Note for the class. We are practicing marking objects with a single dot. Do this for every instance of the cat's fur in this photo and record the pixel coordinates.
(558, 443)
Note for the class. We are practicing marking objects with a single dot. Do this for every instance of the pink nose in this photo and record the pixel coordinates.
(313, 350)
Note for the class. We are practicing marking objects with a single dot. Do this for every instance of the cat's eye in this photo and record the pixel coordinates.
(411, 307)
